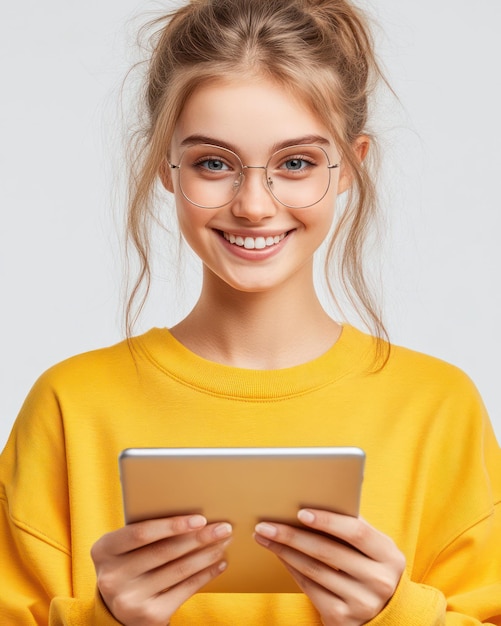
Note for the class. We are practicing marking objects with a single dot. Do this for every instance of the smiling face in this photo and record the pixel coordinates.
(252, 242)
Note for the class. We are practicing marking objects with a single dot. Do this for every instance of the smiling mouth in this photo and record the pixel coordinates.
(254, 243)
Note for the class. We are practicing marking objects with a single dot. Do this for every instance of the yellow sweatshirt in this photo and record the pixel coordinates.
(432, 479)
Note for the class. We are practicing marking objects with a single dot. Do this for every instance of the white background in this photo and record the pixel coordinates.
(61, 64)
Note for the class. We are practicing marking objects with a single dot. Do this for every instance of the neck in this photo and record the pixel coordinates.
(258, 330)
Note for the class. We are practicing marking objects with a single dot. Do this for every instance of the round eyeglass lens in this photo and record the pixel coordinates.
(299, 176)
(211, 176)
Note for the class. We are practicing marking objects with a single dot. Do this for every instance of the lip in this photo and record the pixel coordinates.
(254, 253)
(254, 233)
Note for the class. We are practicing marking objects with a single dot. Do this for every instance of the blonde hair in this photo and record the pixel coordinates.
(319, 50)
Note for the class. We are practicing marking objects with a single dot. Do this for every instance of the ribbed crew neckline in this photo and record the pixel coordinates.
(352, 351)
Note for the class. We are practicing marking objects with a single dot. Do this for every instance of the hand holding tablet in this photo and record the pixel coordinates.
(242, 486)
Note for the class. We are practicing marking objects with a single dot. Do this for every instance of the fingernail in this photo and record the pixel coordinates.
(197, 521)
(266, 529)
(222, 530)
(306, 516)
(222, 566)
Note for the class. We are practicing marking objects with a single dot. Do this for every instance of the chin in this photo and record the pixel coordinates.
(251, 285)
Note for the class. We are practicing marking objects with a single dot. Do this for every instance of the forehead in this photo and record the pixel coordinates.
(251, 117)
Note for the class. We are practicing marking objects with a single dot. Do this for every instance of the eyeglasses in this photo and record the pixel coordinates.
(210, 176)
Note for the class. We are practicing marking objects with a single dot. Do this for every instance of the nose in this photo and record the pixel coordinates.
(254, 201)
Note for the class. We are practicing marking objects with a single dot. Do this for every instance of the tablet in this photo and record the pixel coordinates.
(242, 486)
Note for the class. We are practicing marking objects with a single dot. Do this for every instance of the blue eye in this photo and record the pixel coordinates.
(214, 165)
(295, 164)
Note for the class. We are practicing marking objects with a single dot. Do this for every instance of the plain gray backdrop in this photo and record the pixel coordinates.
(61, 66)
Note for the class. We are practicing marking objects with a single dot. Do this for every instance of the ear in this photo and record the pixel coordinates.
(360, 148)
(165, 173)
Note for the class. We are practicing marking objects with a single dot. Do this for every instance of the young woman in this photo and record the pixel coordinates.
(257, 122)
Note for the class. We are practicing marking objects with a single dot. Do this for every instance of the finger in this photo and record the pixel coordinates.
(139, 534)
(167, 550)
(332, 607)
(145, 533)
(350, 603)
(172, 599)
(310, 587)
(176, 572)
(355, 531)
(138, 606)
(321, 549)
(333, 580)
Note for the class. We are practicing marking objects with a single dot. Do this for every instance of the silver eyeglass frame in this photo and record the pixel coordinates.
(269, 182)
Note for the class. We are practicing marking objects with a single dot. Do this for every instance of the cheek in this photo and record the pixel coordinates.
(188, 216)
(192, 222)
(322, 226)
(319, 218)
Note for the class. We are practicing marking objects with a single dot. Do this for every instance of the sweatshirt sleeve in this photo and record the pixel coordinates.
(462, 584)
(469, 575)
(35, 529)
(35, 582)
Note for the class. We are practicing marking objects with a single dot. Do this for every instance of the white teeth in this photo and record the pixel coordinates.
(253, 243)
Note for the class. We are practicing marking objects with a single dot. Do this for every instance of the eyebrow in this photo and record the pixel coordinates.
(192, 140)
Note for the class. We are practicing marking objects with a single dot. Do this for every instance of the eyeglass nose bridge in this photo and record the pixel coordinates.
(241, 176)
